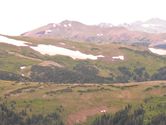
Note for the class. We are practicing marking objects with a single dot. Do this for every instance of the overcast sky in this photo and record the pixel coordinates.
(18, 16)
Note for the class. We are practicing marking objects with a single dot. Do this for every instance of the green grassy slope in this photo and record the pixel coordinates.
(12, 57)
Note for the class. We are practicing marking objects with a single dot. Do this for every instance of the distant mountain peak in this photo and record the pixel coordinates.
(105, 25)
(155, 20)
(154, 25)
(71, 22)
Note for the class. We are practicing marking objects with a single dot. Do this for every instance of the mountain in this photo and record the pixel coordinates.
(76, 31)
(35, 67)
(154, 25)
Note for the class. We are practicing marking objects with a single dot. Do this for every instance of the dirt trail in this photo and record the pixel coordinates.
(82, 115)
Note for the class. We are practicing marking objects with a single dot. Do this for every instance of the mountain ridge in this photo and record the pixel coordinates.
(104, 32)
(153, 25)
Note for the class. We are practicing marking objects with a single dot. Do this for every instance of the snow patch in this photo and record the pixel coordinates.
(6, 40)
(65, 25)
(53, 50)
(22, 75)
(118, 57)
(47, 31)
(99, 34)
(161, 52)
(54, 25)
(69, 25)
(22, 67)
(103, 111)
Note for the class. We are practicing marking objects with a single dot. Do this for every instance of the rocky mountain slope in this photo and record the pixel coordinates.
(76, 31)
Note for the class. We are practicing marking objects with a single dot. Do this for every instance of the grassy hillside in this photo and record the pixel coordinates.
(75, 103)
(107, 69)
(11, 59)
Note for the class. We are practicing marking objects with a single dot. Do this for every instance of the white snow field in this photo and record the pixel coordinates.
(6, 40)
(50, 49)
(54, 50)
(161, 52)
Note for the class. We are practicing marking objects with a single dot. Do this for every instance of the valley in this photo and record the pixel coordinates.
(76, 74)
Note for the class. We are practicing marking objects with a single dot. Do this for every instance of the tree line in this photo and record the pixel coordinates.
(9, 117)
(84, 73)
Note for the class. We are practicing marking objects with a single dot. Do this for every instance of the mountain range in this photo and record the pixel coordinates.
(153, 30)
(154, 25)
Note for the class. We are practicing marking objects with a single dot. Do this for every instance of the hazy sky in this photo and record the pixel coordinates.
(18, 16)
